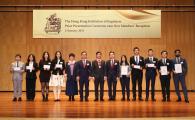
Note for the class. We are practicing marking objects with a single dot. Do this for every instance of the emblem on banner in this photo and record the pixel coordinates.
(53, 24)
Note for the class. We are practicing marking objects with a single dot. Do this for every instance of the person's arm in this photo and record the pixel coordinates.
(41, 65)
(118, 69)
(185, 65)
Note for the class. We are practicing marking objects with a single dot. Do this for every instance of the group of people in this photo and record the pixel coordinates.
(53, 73)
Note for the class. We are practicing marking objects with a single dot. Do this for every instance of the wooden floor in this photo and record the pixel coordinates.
(91, 109)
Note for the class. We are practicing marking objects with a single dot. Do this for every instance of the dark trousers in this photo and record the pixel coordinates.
(180, 78)
(30, 88)
(125, 83)
(137, 77)
(165, 85)
(84, 82)
(112, 82)
(99, 81)
(150, 78)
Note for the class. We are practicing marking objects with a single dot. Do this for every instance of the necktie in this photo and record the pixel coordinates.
(112, 63)
(177, 60)
(151, 60)
(84, 63)
(17, 64)
(136, 59)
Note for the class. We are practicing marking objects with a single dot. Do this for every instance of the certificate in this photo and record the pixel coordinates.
(46, 67)
(136, 66)
(29, 67)
(124, 70)
(178, 68)
(16, 68)
(58, 65)
(163, 70)
(150, 65)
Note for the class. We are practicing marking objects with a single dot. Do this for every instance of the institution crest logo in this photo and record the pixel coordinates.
(53, 24)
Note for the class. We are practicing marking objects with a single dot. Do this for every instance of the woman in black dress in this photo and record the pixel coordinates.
(45, 73)
(71, 84)
(31, 69)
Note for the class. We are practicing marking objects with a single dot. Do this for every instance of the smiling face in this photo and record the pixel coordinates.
(31, 58)
(18, 58)
(150, 53)
(58, 55)
(111, 55)
(164, 54)
(84, 55)
(46, 56)
(136, 52)
(98, 55)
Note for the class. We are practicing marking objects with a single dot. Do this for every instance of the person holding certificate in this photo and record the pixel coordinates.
(137, 64)
(17, 69)
(31, 69)
(112, 72)
(57, 79)
(125, 77)
(151, 65)
(71, 83)
(179, 73)
(45, 74)
(99, 75)
(165, 67)
(83, 74)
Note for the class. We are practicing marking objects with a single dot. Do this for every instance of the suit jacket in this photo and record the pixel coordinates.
(168, 64)
(44, 74)
(183, 64)
(31, 74)
(68, 70)
(141, 64)
(155, 62)
(17, 74)
(84, 72)
(56, 71)
(113, 71)
(98, 71)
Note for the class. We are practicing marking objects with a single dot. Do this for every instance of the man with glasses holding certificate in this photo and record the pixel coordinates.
(151, 66)
(164, 67)
(179, 72)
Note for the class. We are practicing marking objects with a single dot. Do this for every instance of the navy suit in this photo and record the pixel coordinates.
(84, 71)
(112, 72)
(99, 71)
(150, 75)
(137, 75)
(180, 77)
(71, 83)
(165, 79)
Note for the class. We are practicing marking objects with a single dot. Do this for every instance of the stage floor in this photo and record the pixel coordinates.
(91, 109)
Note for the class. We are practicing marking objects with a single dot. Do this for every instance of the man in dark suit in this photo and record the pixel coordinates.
(99, 75)
(83, 74)
(137, 64)
(112, 72)
(164, 67)
(151, 65)
(179, 75)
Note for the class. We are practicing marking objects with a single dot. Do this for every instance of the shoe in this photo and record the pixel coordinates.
(86, 100)
(187, 101)
(73, 98)
(128, 99)
(134, 99)
(146, 99)
(153, 99)
(140, 99)
(123, 99)
(101, 99)
(168, 99)
(15, 99)
(43, 97)
(46, 98)
(178, 100)
(19, 99)
(56, 100)
(96, 99)
(110, 99)
(81, 100)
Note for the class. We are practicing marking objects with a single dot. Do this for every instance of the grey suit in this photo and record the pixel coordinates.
(17, 77)
(180, 77)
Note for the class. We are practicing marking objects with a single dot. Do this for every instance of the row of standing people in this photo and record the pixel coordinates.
(53, 73)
